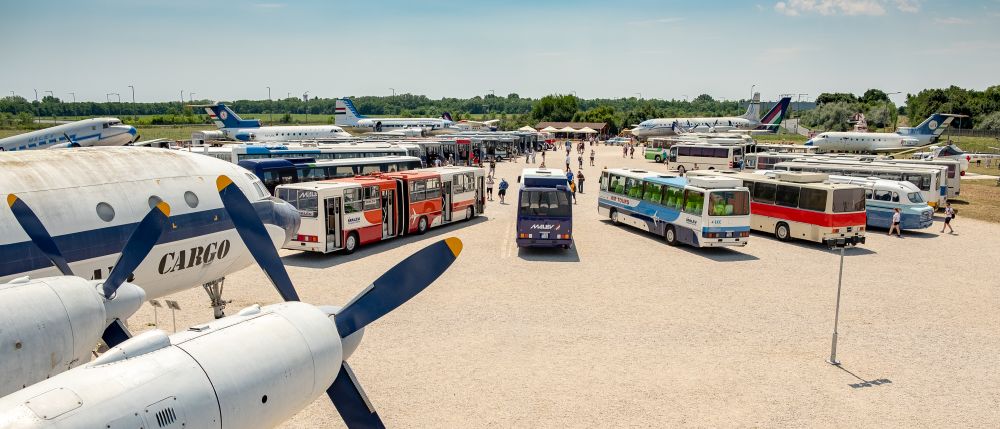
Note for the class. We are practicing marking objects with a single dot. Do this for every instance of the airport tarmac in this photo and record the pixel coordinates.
(625, 331)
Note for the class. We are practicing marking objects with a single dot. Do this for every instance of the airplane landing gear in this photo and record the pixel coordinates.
(214, 290)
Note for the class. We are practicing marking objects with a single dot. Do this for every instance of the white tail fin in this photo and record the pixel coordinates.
(753, 110)
(345, 114)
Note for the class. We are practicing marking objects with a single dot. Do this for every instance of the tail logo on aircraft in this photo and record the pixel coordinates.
(932, 125)
(224, 115)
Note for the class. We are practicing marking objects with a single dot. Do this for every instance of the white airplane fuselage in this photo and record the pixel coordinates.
(391, 124)
(85, 133)
(285, 133)
(865, 142)
(90, 200)
(666, 126)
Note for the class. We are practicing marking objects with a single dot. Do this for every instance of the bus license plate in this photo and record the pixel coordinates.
(545, 235)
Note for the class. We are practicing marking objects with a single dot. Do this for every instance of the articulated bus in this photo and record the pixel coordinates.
(238, 152)
(705, 211)
(806, 206)
(343, 214)
(687, 156)
(929, 179)
(275, 171)
(545, 209)
(767, 160)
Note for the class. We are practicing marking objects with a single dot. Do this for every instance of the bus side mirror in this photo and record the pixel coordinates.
(518, 179)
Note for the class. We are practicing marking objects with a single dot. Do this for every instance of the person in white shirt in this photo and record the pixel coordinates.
(896, 217)
(949, 214)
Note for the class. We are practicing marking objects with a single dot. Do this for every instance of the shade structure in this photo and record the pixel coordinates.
(587, 130)
(550, 129)
(567, 129)
(527, 128)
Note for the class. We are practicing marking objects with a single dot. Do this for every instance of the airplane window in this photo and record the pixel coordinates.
(105, 212)
(153, 201)
(191, 199)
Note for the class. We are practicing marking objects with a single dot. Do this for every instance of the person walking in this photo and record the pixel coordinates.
(543, 157)
(489, 187)
(569, 175)
(493, 166)
(949, 214)
(572, 187)
(567, 160)
(592, 155)
(896, 216)
(631, 152)
(579, 160)
(502, 191)
(579, 180)
(624, 150)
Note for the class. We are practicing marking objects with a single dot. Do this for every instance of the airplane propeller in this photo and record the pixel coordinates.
(396, 286)
(137, 247)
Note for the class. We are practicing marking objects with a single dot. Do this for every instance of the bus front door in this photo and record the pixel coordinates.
(388, 214)
(446, 201)
(480, 194)
(334, 224)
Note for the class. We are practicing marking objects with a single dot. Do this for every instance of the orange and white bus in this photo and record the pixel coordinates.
(344, 214)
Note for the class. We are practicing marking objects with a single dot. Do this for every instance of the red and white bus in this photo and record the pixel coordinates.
(343, 214)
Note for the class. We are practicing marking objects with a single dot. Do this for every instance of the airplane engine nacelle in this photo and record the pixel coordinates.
(251, 370)
(412, 132)
(245, 136)
(47, 326)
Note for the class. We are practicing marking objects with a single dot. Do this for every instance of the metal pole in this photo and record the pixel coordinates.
(270, 107)
(173, 313)
(836, 316)
(133, 101)
(306, 97)
(393, 91)
(36, 94)
(182, 96)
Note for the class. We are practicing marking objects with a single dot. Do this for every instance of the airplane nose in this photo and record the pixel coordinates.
(808, 142)
(125, 302)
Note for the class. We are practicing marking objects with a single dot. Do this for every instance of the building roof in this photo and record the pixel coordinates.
(575, 125)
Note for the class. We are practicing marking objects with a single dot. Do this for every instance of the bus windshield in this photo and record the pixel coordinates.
(915, 197)
(729, 203)
(549, 203)
(306, 202)
(848, 200)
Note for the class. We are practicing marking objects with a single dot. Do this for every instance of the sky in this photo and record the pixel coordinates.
(230, 49)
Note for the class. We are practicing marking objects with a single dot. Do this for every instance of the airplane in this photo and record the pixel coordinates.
(84, 133)
(90, 198)
(749, 121)
(904, 138)
(466, 125)
(251, 370)
(54, 322)
(236, 128)
(347, 115)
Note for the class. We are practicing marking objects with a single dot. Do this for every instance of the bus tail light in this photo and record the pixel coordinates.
(562, 236)
(307, 238)
(744, 233)
(523, 235)
(836, 230)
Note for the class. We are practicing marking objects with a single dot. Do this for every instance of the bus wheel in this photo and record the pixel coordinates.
(670, 235)
(681, 169)
(470, 213)
(781, 231)
(614, 216)
(657, 158)
(422, 225)
(351, 244)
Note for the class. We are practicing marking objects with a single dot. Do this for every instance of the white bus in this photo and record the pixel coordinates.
(929, 180)
(954, 177)
(238, 152)
(707, 211)
(686, 157)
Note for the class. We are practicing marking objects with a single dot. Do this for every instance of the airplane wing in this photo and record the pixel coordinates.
(903, 150)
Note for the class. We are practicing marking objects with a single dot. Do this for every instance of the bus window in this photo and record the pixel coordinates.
(306, 202)
(729, 203)
(918, 179)
(653, 193)
(848, 200)
(550, 203)
(868, 194)
(618, 185)
(367, 169)
(673, 198)
(693, 201)
(352, 201)
(372, 195)
(633, 187)
(787, 196)
(764, 192)
(418, 191)
(433, 188)
(604, 181)
(915, 197)
(812, 199)
(749, 185)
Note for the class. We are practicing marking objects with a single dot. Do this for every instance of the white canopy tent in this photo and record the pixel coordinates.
(567, 129)
(587, 130)
(527, 128)
(550, 129)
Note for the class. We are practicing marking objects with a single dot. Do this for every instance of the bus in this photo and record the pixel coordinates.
(806, 206)
(238, 152)
(277, 171)
(955, 172)
(883, 196)
(704, 211)
(544, 209)
(929, 180)
(658, 148)
(767, 160)
(687, 156)
(344, 214)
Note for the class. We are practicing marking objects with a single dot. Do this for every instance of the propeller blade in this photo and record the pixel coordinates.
(36, 231)
(254, 235)
(398, 285)
(143, 238)
(351, 401)
(115, 334)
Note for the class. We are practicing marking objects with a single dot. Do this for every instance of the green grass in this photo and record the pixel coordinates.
(172, 132)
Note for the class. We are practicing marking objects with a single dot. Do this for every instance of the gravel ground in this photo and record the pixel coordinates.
(625, 331)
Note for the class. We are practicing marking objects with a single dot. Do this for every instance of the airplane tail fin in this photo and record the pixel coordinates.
(753, 110)
(345, 113)
(224, 117)
(773, 118)
(933, 125)
(446, 116)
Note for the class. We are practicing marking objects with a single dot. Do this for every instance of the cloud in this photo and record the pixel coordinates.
(844, 7)
(951, 20)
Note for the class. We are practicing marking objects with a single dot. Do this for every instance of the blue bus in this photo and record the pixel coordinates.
(882, 196)
(702, 211)
(544, 209)
(278, 171)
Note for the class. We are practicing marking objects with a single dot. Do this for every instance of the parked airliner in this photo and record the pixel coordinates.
(90, 199)
(904, 138)
(236, 128)
(348, 116)
(749, 121)
(88, 132)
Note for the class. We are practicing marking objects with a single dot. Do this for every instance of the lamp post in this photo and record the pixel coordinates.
(393, 91)
(132, 87)
(305, 97)
(270, 107)
(841, 244)
(182, 96)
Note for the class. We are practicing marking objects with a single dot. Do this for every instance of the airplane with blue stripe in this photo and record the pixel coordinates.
(749, 121)
(85, 133)
(905, 138)
(251, 130)
(347, 115)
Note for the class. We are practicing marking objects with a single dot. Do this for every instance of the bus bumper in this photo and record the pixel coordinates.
(534, 242)
(720, 242)
(852, 240)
